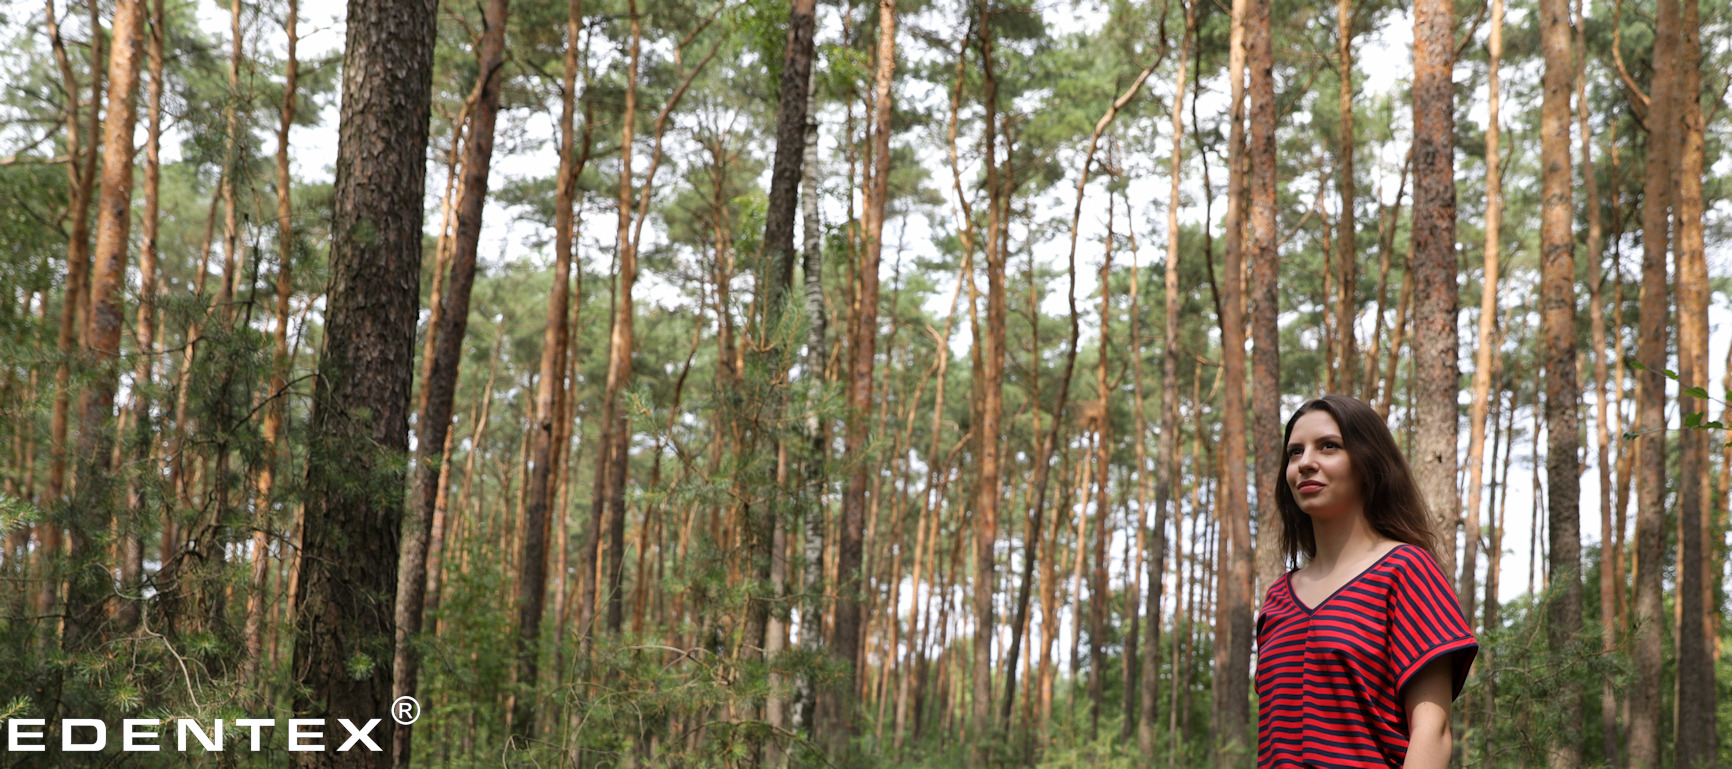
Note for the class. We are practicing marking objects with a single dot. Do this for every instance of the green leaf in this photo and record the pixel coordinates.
(1670, 374)
(1633, 363)
(1631, 436)
(1693, 420)
(1696, 392)
(1715, 425)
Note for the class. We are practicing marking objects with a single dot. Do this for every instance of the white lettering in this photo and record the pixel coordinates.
(296, 735)
(252, 725)
(15, 732)
(360, 736)
(130, 736)
(69, 745)
(187, 725)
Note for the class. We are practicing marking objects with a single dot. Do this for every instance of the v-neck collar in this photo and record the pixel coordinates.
(1355, 578)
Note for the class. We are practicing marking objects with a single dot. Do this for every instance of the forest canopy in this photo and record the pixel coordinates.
(760, 383)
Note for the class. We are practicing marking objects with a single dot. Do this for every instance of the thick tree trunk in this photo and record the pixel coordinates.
(1695, 723)
(1487, 349)
(1645, 699)
(1563, 392)
(90, 514)
(838, 710)
(348, 577)
(1434, 269)
(434, 419)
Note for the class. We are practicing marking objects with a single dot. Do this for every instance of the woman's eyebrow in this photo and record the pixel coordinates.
(1329, 437)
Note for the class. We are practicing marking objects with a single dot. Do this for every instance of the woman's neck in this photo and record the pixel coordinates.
(1344, 539)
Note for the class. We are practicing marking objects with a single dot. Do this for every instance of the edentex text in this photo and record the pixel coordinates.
(89, 735)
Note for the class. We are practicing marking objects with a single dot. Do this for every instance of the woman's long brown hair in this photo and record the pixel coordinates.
(1393, 504)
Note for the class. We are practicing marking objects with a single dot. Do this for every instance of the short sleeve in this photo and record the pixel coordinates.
(1426, 623)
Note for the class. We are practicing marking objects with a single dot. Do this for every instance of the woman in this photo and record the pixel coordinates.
(1361, 651)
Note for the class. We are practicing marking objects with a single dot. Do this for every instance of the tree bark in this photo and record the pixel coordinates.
(132, 562)
(434, 419)
(1645, 699)
(1603, 430)
(81, 183)
(775, 349)
(619, 341)
(1487, 350)
(1434, 268)
(1100, 595)
(353, 515)
(1563, 391)
(1695, 722)
(1347, 257)
(1263, 290)
(838, 710)
(991, 390)
(1231, 710)
(90, 514)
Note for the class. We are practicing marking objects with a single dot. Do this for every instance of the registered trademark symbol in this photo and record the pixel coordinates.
(405, 710)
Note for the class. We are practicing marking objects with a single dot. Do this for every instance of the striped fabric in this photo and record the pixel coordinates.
(1329, 678)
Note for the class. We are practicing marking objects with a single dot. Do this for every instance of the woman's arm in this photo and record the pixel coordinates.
(1428, 703)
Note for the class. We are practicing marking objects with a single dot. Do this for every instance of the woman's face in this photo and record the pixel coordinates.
(1320, 473)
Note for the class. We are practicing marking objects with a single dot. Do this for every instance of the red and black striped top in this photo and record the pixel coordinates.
(1329, 678)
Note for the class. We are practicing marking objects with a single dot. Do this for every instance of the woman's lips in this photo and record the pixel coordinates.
(1310, 485)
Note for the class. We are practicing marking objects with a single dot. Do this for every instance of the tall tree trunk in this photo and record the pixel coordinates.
(434, 419)
(1231, 711)
(232, 162)
(1263, 290)
(775, 349)
(1563, 392)
(1603, 431)
(132, 562)
(90, 514)
(81, 183)
(1434, 268)
(1487, 350)
(274, 408)
(1167, 459)
(991, 390)
(1100, 595)
(353, 524)
(1645, 698)
(619, 340)
(1347, 257)
(1695, 723)
(838, 710)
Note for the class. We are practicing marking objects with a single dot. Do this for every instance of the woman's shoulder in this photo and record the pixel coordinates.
(1416, 566)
